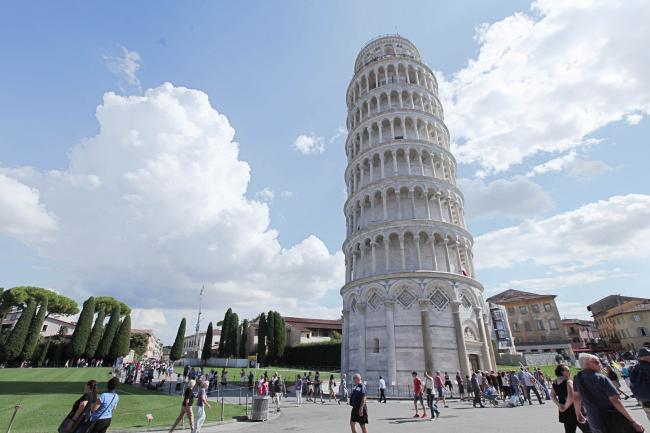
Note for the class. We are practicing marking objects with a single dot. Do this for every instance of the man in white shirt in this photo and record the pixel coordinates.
(382, 389)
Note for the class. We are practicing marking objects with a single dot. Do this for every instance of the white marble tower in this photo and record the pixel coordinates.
(411, 300)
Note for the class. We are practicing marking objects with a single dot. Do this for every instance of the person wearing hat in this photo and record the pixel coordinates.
(640, 380)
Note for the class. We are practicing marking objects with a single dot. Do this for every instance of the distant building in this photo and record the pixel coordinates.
(629, 324)
(534, 322)
(600, 311)
(154, 348)
(194, 347)
(501, 332)
(53, 325)
(582, 333)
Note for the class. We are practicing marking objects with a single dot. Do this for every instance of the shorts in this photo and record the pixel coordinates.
(440, 394)
(354, 416)
(417, 398)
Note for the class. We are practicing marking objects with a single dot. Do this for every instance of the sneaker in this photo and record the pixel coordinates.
(424, 415)
(416, 415)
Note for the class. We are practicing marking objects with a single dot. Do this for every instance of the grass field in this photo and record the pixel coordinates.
(288, 374)
(46, 396)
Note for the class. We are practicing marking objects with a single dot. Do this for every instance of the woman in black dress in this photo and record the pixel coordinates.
(562, 396)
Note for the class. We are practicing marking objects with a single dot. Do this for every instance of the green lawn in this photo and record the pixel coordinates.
(288, 374)
(46, 395)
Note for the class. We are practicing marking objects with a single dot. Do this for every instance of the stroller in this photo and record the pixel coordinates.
(491, 396)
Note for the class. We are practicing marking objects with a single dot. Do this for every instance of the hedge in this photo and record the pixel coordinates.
(313, 355)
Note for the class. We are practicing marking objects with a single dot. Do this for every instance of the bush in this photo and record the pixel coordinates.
(314, 355)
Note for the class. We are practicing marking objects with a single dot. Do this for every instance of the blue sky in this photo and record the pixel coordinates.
(547, 107)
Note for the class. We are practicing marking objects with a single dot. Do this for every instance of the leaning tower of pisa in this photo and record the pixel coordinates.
(410, 299)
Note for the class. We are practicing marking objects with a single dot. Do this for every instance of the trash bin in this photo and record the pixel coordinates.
(260, 409)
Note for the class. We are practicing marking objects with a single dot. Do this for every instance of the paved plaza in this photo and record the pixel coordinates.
(397, 416)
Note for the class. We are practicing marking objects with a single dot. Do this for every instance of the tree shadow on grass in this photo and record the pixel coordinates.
(60, 387)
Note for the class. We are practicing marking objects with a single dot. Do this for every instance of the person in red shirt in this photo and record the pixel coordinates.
(440, 388)
(418, 390)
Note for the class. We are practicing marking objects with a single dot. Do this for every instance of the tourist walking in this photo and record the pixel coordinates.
(318, 388)
(358, 398)
(528, 382)
(201, 402)
(449, 385)
(382, 389)
(640, 380)
(459, 384)
(476, 390)
(600, 398)
(330, 388)
(276, 390)
(613, 376)
(562, 396)
(104, 407)
(440, 388)
(186, 406)
(224, 378)
(81, 409)
(343, 389)
(417, 395)
(298, 390)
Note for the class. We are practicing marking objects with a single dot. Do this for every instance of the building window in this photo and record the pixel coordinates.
(540, 325)
(552, 324)
(535, 308)
(523, 309)
(547, 307)
(515, 326)
(511, 310)
(527, 326)
(44, 328)
(642, 332)
(375, 345)
(636, 318)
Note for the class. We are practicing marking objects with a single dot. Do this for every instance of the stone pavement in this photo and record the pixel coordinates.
(396, 417)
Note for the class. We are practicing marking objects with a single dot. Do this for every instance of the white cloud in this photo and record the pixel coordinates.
(148, 318)
(516, 197)
(266, 194)
(544, 82)
(156, 204)
(561, 281)
(612, 229)
(308, 144)
(125, 67)
(340, 131)
(633, 119)
(575, 166)
(23, 216)
(286, 194)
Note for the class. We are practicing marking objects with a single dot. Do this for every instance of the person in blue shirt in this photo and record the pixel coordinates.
(358, 402)
(104, 407)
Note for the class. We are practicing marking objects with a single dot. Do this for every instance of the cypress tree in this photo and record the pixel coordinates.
(83, 327)
(207, 344)
(261, 338)
(176, 351)
(223, 338)
(270, 337)
(34, 331)
(122, 341)
(109, 333)
(43, 354)
(231, 342)
(279, 336)
(243, 339)
(95, 334)
(16, 341)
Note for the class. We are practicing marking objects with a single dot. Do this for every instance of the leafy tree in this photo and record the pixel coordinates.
(177, 348)
(223, 338)
(43, 353)
(261, 338)
(280, 337)
(270, 336)
(231, 342)
(16, 340)
(243, 339)
(108, 302)
(82, 330)
(207, 344)
(34, 332)
(96, 333)
(139, 343)
(19, 297)
(335, 336)
(112, 327)
(122, 340)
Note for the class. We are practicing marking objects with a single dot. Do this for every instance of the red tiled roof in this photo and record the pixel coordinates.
(303, 323)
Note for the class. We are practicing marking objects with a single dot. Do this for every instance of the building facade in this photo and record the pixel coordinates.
(410, 299)
(53, 325)
(601, 312)
(501, 332)
(630, 325)
(534, 322)
(193, 344)
(582, 333)
(298, 330)
(154, 348)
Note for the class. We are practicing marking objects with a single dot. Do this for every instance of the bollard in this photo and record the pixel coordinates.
(221, 407)
(246, 405)
(13, 417)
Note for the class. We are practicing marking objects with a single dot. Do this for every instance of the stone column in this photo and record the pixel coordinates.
(395, 170)
(345, 349)
(421, 164)
(433, 253)
(381, 160)
(407, 156)
(439, 206)
(362, 270)
(493, 357)
(361, 308)
(390, 343)
(354, 265)
(458, 259)
(401, 248)
(373, 245)
(425, 323)
(416, 239)
(387, 253)
(398, 199)
(412, 197)
(446, 251)
(485, 350)
(383, 201)
(427, 211)
(460, 338)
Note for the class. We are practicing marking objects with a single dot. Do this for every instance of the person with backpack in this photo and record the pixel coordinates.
(640, 380)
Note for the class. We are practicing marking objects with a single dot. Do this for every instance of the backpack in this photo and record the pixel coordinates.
(640, 382)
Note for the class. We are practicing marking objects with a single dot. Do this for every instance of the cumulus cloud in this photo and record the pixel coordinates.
(266, 194)
(156, 203)
(125, 67)
(575, 166)
(309, 144)
(23, 216)
(556, 282)
(516, 197)
(612, 229)
(633, 119)
(545, 81)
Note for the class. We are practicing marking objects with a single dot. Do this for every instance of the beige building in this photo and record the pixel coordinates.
(53, 325)
(582, 333)
(193, 345)
(154, 348)
(601, 311)
(534, 321)
(630, 325)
